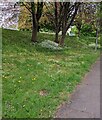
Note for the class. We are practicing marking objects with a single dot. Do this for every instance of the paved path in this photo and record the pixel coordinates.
(85, 102)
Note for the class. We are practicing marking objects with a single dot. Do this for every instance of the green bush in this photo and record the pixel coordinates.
(87, 30)
(74, 30)
(47, 26)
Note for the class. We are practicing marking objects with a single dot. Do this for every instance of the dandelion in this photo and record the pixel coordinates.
(34, 78)
(19, 81)
(5, 77)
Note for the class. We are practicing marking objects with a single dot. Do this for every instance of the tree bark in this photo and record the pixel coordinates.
(34, 35)
(62, 40)
(56, 22)
(96, 43)
(63, 37)
(34, 23)
(34, 28)
(56, 37)
(65, 25)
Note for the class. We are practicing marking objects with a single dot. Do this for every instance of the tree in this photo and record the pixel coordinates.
(35, 9)
(9, 15)
(90, 17)
(101, 16)
(98, 15)
(53, 14)
(25, 21)
(78, 18)
(69, 12)
(63, 17)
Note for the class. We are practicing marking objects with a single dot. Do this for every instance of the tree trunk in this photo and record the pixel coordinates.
(34, 28)
(63, 38)
(34, 35)
(96, 43)
(65, 24)
(56, 22)
(56, 37)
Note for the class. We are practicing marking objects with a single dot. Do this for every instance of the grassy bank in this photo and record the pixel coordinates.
(37, 80)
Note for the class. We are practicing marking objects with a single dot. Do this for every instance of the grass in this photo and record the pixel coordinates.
(37, 80)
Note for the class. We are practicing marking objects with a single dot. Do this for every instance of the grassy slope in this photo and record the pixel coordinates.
(37, 80)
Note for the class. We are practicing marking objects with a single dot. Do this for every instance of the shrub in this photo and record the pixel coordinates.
(86, 29)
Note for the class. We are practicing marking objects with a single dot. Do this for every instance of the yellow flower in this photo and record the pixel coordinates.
(19, 81)
(5, 77)
(33, 78)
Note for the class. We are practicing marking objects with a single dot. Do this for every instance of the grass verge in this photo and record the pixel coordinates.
(37, 80)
